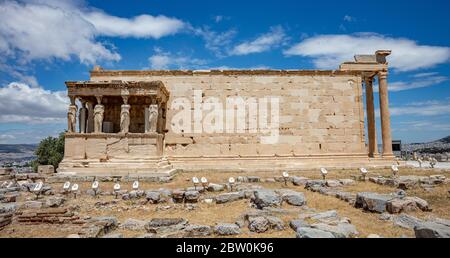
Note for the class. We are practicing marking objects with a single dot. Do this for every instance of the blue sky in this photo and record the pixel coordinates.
(46, 42)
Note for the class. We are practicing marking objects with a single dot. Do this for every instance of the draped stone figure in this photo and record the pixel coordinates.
(152, 118)
(99, 110)
(72, 118)
(82, 117)
(125, 118)
(90, 119)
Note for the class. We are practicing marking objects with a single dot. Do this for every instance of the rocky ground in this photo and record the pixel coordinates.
(416, 203)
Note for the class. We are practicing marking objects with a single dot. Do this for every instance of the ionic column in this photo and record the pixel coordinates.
(72, 116)
(82, 116)
(125, 116)
(384, 113)
(371, 128)
(99, 111)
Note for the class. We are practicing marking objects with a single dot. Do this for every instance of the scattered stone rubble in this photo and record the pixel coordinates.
(49, 215)
(7, 211)
(408, 182)
(323, 225)
(391, 203)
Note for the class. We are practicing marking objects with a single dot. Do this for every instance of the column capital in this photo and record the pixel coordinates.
(382, 74)
(368, 80)
(99, 99)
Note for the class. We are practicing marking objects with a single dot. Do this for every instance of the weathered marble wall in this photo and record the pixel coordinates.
(319, 114)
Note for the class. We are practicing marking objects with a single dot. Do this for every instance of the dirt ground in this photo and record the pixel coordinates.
(209, 214)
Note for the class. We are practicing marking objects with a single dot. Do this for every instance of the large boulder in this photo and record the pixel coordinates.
(372, 201)
(314, 184)
(333, 183)
(340, 230)
(406, 221)
(258, 224)
(226, 229)
(191, 196)
(293, 197)
(165, 225)
(433, 229)
(307, 232)
(229, 197)
(215, 187)
(153, 196)
(133, 224)
(298, 223)
(54, 201)
(197, 230)
(8, 207)
(398, 205)
(178, 195)
(299, 180)
(266, 198)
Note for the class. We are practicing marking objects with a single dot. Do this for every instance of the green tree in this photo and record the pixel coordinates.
(50, 151)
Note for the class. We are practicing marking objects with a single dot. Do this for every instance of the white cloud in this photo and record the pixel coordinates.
(165, 60)
(348, 18)
(20, 103)
(142, 26)
(328, 51)
(39, 31)
(423, 125)
(217, 42)
(49, 29)
(422, 81)
(423, 108)
(263, 43)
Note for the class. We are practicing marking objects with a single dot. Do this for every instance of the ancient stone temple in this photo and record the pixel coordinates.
(127, 122)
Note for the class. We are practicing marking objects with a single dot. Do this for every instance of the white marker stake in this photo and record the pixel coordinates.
(95, 187)
(363, 172)
(204, 181)
(195, 181)
(324, 172)
(231, 181)
(285, 177)
(66, 187)
(74, 190)
(136, 185)
(37, 189)
(116, 189)
(394, 170)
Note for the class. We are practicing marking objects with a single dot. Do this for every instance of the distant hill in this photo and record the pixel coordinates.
(445, 139)
(17, 148)
(18, 153)
(439, 146)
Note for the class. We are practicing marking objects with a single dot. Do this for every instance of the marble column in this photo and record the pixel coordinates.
(72, 116)
(82, 116)
(90, 117)
(371, 128)
(125, 116)
(384, 113)
(99, 111)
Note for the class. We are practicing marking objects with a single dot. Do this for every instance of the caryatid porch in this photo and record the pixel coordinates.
(121, 125)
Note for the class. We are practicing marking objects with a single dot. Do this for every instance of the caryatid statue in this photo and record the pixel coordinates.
(125, 118)
(152, 118)
(82, 117)
(99, 110)
(72, 118)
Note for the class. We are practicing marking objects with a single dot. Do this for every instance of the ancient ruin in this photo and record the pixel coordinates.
(127, 120)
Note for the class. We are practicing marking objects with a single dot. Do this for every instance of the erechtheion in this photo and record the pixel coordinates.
(125, 122)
